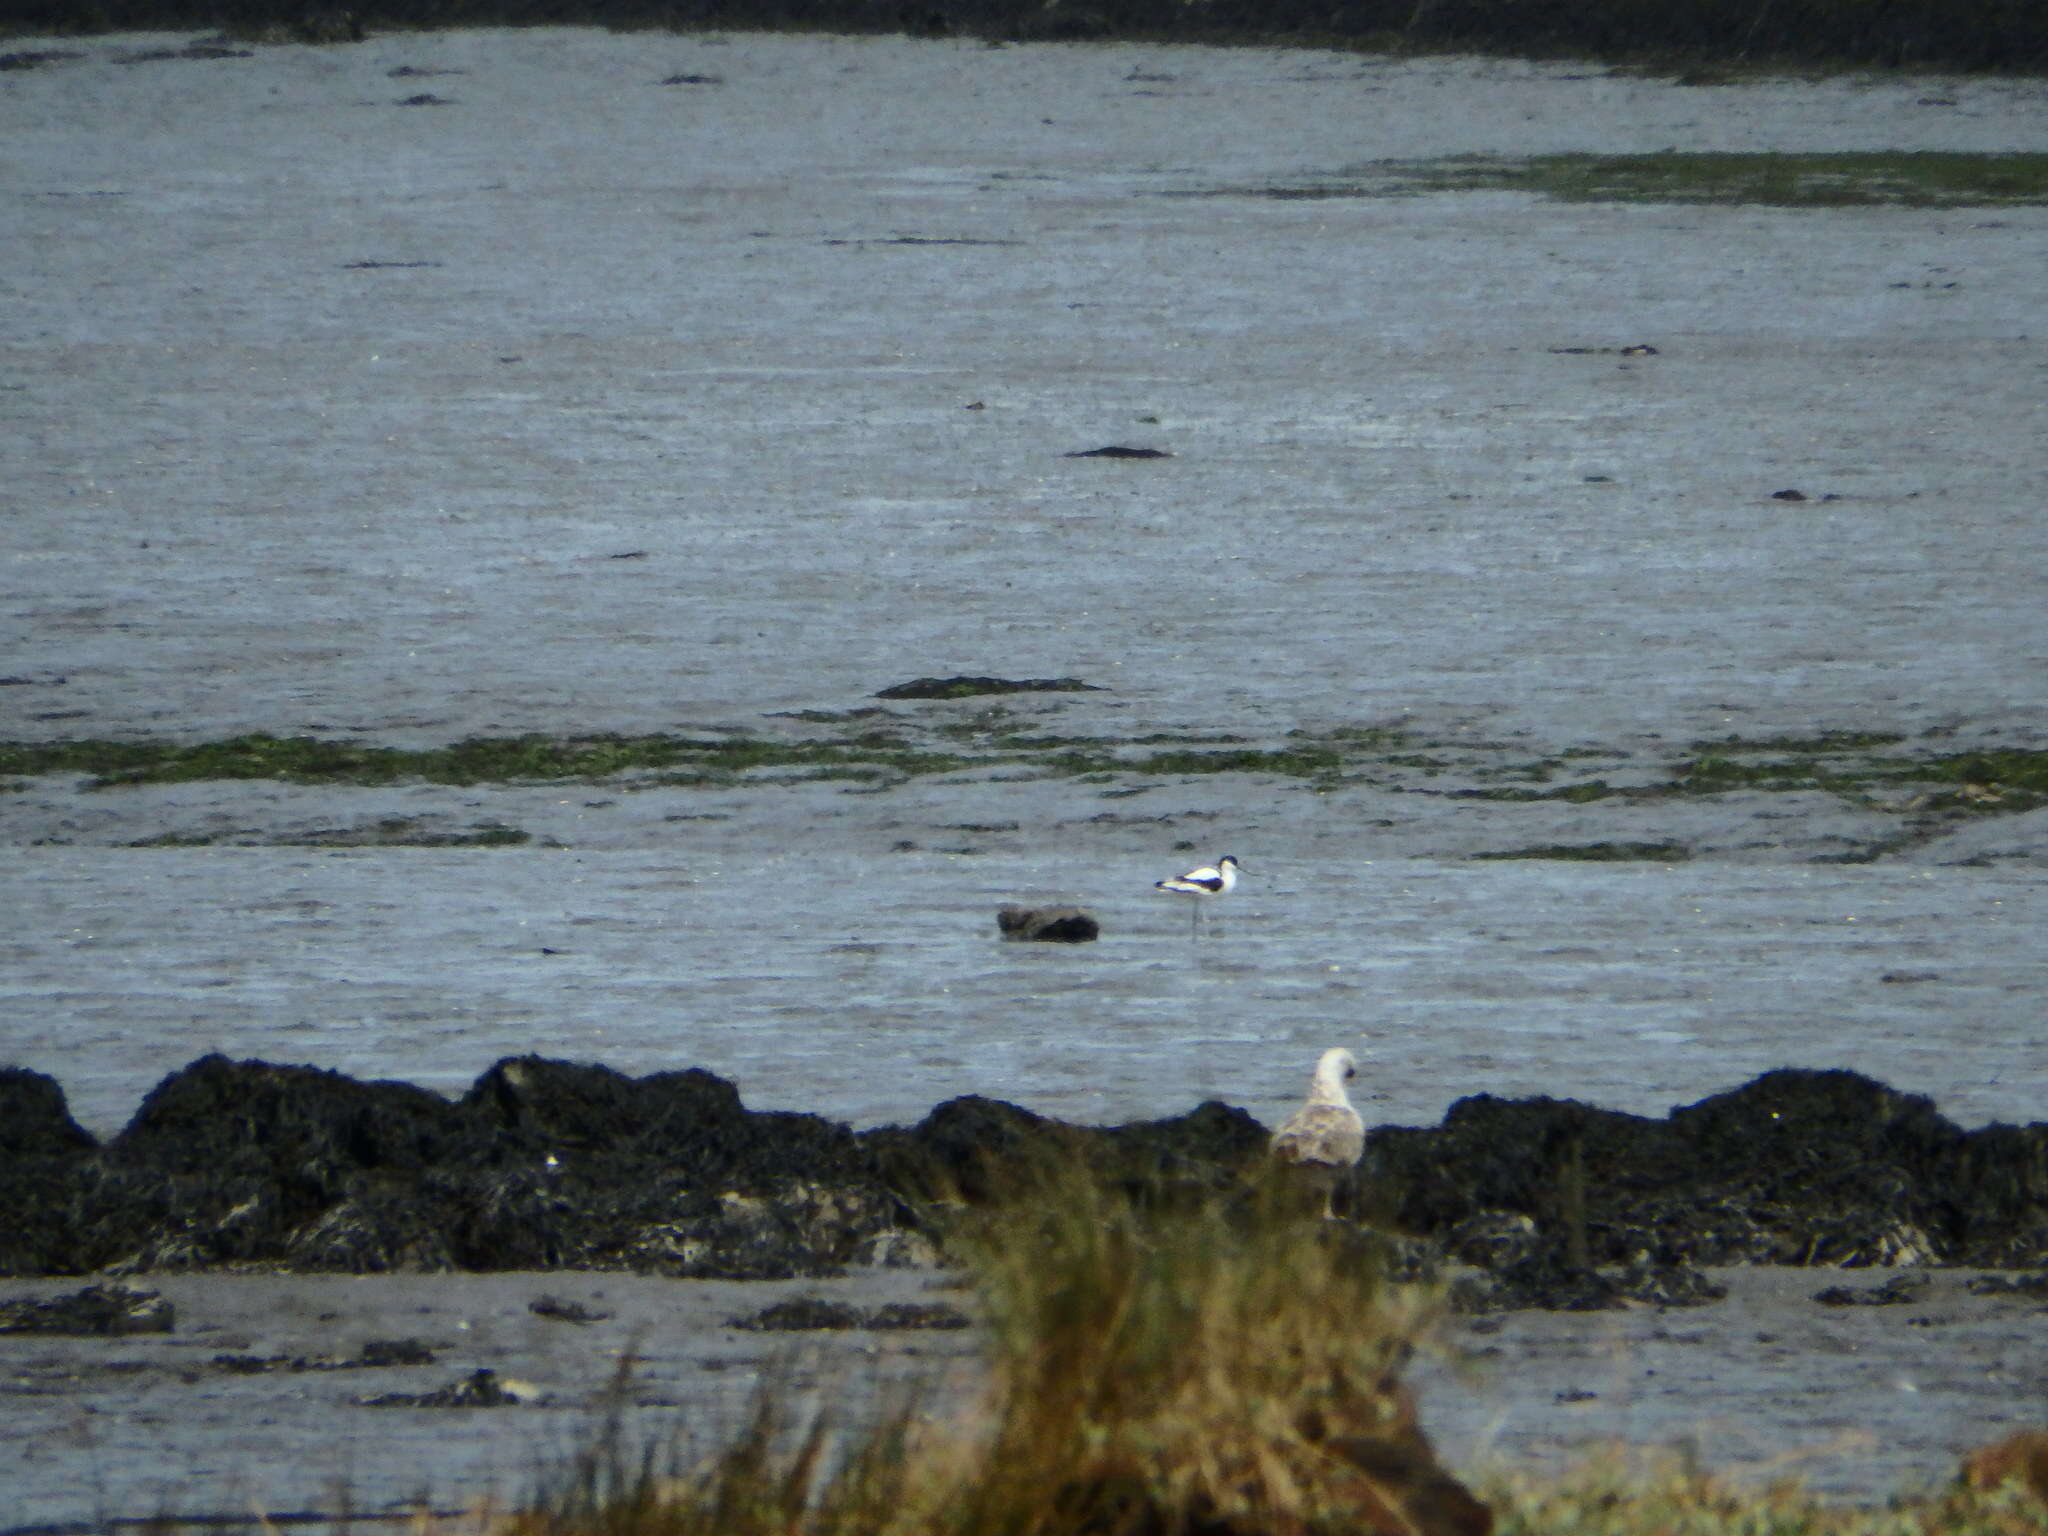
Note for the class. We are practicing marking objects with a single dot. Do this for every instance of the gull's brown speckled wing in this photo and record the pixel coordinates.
(1331, 1134)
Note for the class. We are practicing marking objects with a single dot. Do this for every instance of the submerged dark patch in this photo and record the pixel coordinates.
(1855, 179)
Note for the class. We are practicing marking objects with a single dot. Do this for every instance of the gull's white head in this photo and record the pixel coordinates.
(1334, 1069)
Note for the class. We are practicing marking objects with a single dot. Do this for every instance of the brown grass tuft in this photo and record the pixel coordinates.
(1156, 1369)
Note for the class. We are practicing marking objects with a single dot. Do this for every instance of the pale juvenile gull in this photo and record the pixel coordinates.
(1326, 1136)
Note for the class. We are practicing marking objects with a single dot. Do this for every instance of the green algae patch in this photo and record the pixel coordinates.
(1598, 853)
(1849, 179)
(1303, 762)
(659, 759)
(1825, 741)
(1987, 781)
(2015, 771)
(479, 760)
(1876, 769)
(1572, 794)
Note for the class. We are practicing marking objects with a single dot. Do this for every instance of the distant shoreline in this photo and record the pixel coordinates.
(1703, 42)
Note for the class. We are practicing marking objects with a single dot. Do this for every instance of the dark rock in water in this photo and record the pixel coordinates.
(1995, 1191)
(548, 1164)
(1048, 925)
(975, 1150)
(2033, 1286)
(377, 1354)
(969, 687)
(668, 1173)
(229, 1162)
(1493, 1239)
(197, 49)
(917, 1315)
(1798, 1167)
(1669, 1284)
(1118, 451)
(564, 1311)
(250, 1118)
(968, 1147)
(1547, 1279)
(96, 1310)
(801, 1314)
(479, 1389)
(1213, 1146)
(543, 1165)
(34, 1119)
(805, 1314)
(1899, 1291)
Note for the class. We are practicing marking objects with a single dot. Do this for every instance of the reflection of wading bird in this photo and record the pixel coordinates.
(1324, 1137)
(1203, 885)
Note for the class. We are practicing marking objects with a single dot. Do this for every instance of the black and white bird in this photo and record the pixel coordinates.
(1203, 885)
(1325, 1137)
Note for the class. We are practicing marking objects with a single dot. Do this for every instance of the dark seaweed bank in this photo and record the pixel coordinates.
(549, 1164)
(1922, 34)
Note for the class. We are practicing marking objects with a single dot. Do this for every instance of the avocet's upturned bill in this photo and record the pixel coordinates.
(1204, 884)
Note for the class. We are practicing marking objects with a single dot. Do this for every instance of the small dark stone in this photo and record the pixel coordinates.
(564, 1311)
(1899, 1291)
(1788, 495)
(375, 1355)
(801, 1314)
(694, 80)
(1118, 451)
(917, 1314)
(1048, 925)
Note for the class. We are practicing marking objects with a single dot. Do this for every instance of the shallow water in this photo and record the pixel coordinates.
(734, 331)
(872, 990)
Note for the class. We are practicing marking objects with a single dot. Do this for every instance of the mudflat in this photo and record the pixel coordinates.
(481, 384)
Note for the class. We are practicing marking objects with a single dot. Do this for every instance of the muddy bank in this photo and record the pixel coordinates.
(552, 1165)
